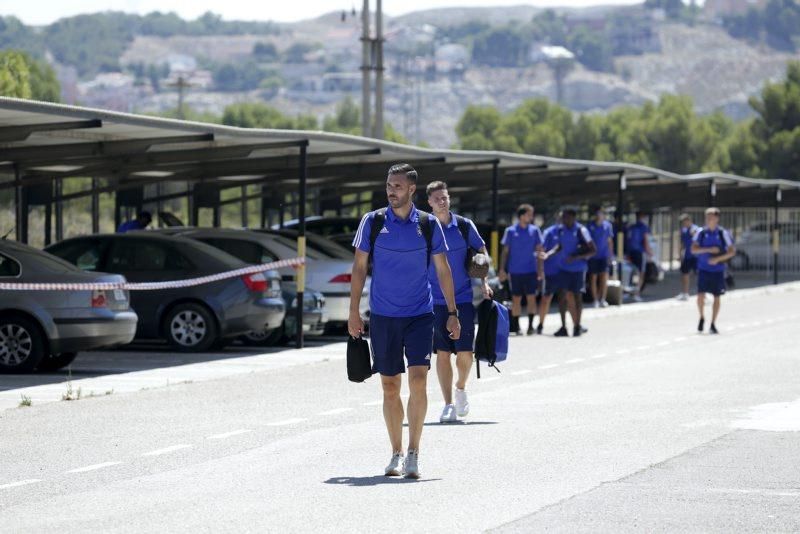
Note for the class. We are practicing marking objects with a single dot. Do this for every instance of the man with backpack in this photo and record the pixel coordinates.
(688, 260)
(575, 246)
(402, 242)
(552, 282)
(603, 236)
(521, 266)
(463, 240)
(638, 250)
(713, 246)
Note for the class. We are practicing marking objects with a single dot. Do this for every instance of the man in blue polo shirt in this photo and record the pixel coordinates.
(551, 288)
(520, 262)
(142, 221)
(713, 246)
(688, 260)
(454, 229)
(575, 246)
(603, 236)
(401, 306)
(638, 250)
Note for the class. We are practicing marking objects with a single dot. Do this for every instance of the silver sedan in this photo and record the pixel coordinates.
(44, 330)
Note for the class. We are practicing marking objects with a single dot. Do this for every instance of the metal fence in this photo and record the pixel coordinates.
(752, 230)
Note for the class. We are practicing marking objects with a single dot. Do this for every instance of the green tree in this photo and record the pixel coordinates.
(22, 76)
(480, 120)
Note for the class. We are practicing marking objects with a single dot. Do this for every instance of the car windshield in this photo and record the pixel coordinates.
(311, 252)
(43, 260)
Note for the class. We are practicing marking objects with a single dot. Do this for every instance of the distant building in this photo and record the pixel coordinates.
(719, 9)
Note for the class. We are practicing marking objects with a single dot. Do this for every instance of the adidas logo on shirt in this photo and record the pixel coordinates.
(384, 230)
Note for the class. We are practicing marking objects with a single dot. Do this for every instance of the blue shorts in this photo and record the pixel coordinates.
(524, 284)
(711, 282)
(598, 265)
(689, 265)
(637, 260)
(441, 337)
(552, 283)
(574, 282)
(393, 337)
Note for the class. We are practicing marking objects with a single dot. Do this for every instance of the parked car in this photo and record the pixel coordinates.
(340, 230)
(44, 330)
(191, 319)
(324, 273)
(315, 317)
(754, 247)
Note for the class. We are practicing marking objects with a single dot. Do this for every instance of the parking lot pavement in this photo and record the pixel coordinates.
(642, 424)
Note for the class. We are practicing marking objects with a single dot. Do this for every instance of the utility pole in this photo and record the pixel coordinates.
(181, 84)
(372, 60)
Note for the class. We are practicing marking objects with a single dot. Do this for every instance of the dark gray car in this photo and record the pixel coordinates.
(44, 330)
(191, 319)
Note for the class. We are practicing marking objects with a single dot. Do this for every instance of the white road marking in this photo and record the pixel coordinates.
(575, 360)
(230, 434)
(550, 366)
(599, 356)
(287, 422)
(20, 483)
(373, 403)
(166, 450)
(662, 344)
(521, 372)
(678, 339)
(623, 351)
(94, 467)
(337, 411)
(773, 417)
(490, 379)
(643, 347)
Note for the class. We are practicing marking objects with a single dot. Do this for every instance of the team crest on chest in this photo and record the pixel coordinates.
(419, 230)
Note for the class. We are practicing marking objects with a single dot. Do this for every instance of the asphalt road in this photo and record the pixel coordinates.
(641, 425)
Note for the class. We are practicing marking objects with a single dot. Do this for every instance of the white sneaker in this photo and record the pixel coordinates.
(462, 403)
(448, 414)
(604, 304)
(638, 298)
(393, 469)
(597, 304)
(683, 296)
(411, 465)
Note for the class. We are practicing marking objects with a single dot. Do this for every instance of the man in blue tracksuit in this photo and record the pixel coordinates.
(551, 288)
(688, 260)
(454, 229)
(637, 245)
(521, 265)
(713, 246)
(603, 236)
(401, 306)
(575, 246)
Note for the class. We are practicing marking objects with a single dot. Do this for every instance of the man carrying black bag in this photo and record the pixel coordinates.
(402, 242)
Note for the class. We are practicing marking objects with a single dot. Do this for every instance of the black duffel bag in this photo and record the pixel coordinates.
(359, 360)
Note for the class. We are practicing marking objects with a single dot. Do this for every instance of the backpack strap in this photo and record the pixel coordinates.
(378, 219)
(426, 227)
(463, 227)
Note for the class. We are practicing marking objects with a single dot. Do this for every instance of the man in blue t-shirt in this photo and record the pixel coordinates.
(551, 288)
(521, 265)
(637, 244)
(401, 306)
(713, 246)
(603, 236)
(142, 221)
(575, 246)
(457, 248)
(687, 259)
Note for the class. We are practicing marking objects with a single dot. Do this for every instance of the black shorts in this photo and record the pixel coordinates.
(598, 265)
(689, 265)
(711, 282)
(638, 260)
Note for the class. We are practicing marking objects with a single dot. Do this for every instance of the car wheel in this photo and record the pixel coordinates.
(54, 362)
(266, 337)
(190, 328)
(21, 345)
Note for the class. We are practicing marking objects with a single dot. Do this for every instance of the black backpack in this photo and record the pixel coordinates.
(583, 246)
(379, 218)
(463, 227)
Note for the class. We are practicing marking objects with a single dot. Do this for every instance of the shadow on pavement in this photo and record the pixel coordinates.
(459, 423)
(376, 480)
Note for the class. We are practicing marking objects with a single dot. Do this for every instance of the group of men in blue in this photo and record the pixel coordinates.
(421, 293)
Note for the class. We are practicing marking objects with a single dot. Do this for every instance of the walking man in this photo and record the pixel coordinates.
(575, 246)
(713, 246)
(602, 233)
(402, 242)
(520, 263)
(551, 288)
(688, 260)
(638, 241)
(461, 236)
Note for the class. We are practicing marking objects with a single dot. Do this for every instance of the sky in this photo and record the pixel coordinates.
(46, 11)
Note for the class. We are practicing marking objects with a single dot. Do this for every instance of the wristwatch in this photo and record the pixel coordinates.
(453, 313)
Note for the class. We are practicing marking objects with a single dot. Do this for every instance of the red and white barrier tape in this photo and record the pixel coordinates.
(151, 286)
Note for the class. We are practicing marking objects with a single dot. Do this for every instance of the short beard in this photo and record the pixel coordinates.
(399, 201)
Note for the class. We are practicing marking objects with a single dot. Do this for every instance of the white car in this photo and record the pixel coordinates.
(754, 247)
(327, 274)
